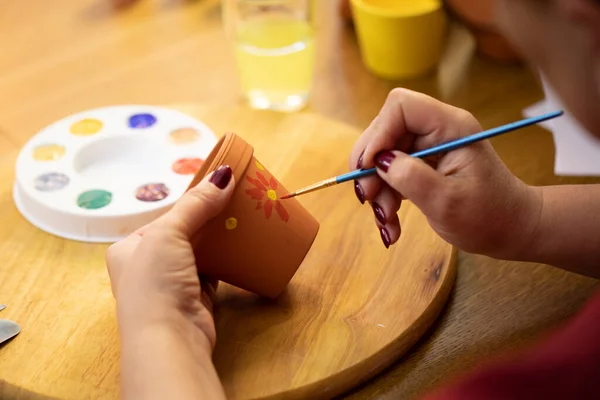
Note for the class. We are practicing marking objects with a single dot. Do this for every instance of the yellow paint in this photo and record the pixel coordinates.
(86, 127)
(48, 152)
(271, 194)
(259, 165)
(231, 223)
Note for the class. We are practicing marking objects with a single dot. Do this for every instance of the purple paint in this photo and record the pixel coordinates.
(152, 192)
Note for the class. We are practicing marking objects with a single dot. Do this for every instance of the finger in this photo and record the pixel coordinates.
(201, 203)
(414, 120)
(389, 129)
(385, 205)
(372, 184)
(408, 120)
(412, 177)
(390, 232)
(404, 114)
(358, 150)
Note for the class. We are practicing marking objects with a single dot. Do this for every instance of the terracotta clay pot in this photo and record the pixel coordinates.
(258, 242)
(479, 18)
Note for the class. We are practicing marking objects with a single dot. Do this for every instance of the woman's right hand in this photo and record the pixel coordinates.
(469, 196)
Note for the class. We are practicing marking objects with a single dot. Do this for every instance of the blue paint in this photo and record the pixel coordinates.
(141, 121)
(458, 143)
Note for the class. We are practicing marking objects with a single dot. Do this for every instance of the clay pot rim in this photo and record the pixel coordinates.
(219, 154)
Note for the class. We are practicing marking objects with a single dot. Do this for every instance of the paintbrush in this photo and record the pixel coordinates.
(455, 144)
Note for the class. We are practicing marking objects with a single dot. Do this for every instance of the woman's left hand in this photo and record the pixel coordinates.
(153, 272)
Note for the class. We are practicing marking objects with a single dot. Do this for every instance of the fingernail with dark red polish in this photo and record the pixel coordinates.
(221, 177)
(360, 160)
(385, 236)
(359, 192)
(379, 214)
(384, 159)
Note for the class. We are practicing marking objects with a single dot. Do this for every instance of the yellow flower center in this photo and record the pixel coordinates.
(272, 194)
(231, 223)
(259, 165)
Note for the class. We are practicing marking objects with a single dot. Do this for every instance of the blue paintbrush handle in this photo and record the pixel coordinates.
(462, 142)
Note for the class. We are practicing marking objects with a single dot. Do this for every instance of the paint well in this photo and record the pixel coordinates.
(86, 127)
(48, 152)
(51, 182)
(86, 170)
(94, 199)
(152, 192)
(141, 121)
(183, 136)
(187, 166)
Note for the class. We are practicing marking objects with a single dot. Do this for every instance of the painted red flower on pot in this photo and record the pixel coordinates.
(264, 191)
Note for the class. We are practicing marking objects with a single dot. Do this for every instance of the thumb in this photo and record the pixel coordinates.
(412, 177)
(202, 202)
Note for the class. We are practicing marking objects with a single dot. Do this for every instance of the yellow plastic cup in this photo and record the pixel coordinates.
(400, 39)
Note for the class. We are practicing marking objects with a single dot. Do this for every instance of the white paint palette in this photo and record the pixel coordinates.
(98, 175)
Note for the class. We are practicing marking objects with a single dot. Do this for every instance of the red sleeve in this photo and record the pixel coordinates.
(566, 365)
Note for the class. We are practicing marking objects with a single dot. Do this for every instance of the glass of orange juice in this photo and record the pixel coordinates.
(274, 50)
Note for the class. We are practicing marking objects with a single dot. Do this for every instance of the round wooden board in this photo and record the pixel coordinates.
(352, 309)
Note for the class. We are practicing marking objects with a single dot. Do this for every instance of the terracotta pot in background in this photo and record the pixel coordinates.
(478, 16)
(258, 242)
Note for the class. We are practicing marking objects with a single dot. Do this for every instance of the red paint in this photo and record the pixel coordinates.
(262, 179)
(187, 166)
(283, 214)
(259, 192)
(256, 182)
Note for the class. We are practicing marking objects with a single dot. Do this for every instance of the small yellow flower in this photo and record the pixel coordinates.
(263, 187)
(231, 223)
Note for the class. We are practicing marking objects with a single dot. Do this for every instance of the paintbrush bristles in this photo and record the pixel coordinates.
(312, 188)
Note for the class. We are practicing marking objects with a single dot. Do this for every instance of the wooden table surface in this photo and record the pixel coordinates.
(64, 56)
(351, 310)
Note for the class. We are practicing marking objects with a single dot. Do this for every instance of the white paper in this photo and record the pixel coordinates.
(577, 151)
(536, 110)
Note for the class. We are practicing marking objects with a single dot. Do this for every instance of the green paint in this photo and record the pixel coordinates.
(94, 199)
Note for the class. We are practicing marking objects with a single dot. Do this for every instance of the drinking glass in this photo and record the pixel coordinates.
(274, 51)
